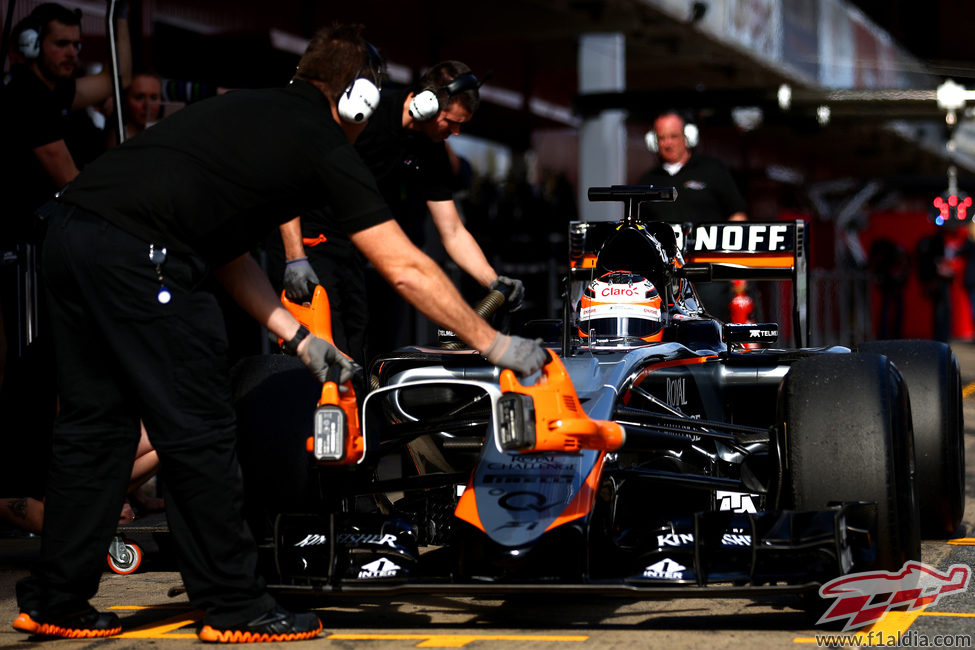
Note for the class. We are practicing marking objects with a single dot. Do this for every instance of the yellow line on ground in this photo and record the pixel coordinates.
(892, 626)
(964, 614)
(968, 390)
(962, 541)
(185, 608)
(451, 640)
(163, 629)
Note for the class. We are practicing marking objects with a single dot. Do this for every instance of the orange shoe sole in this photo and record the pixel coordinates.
(237, 636)
(25, 623)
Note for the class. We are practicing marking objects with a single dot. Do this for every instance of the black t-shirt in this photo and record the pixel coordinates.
(409, 167)
(217, 176)
(31, 115)
(705, 192)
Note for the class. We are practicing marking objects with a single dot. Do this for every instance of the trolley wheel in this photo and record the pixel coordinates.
(124, 556)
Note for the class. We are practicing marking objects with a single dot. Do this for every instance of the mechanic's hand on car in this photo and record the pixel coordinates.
(299, 280)
(319, 356)
(522, 355)
(517, 294)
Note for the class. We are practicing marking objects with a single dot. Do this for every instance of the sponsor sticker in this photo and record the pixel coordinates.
(750, 238)
(381, 568)
(312, 539)
(356, 539)
(665, 569)
(686, 539)
(735, 501)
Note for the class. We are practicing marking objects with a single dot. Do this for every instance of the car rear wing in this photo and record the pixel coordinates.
(750, 250)
(714, 252)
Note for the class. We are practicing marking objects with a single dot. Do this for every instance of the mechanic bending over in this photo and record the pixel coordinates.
(136, 333)
(404, 147)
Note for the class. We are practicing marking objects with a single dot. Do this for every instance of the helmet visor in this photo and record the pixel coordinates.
(620, 323)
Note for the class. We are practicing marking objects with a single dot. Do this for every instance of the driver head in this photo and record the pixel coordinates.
(620, 309)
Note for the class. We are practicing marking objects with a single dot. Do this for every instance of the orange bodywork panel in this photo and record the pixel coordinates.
(751, 261)
(582, 503)
(587, 262)
(466, 508)
(667, 364)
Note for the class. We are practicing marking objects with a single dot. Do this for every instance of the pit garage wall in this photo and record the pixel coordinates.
(845, 302)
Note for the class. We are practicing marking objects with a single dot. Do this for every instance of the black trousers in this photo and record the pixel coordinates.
(121, 356)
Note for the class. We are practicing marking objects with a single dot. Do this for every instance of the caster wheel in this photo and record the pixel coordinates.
(124, 556)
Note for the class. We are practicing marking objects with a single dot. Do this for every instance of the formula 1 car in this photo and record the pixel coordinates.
(655, 455)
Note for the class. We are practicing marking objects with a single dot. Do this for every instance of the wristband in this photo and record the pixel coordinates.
(291, 347)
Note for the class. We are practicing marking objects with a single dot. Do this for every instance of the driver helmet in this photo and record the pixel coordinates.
(620, 308)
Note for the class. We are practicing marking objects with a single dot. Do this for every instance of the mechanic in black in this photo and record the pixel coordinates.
(41, 92)
(706, 193)
(128, 245)
(404, 147)
(35, 162)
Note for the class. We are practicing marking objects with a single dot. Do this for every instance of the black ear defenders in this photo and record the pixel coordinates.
(360, 98)
(425, 104)
(29, 39)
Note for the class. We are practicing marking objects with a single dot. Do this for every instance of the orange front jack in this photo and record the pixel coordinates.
(338, 437)
(560, 424)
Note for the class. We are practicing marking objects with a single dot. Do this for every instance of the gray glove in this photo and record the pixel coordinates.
(299, 280)
(319, 356)
(522, 355)
(517, 295)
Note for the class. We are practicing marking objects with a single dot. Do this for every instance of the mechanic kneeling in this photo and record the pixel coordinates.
(129, 243)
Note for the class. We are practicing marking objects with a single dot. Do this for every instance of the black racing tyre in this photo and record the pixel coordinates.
(275, 399)
(845, 435)
(933, 379)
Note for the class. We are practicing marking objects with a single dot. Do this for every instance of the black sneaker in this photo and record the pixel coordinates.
(276, 625)
(85, 624)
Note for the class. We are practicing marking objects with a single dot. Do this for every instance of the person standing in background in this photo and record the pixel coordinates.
(706, 192)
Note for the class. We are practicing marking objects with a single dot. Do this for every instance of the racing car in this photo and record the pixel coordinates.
(658, 453)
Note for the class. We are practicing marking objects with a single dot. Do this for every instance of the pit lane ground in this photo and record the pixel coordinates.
(151, 616)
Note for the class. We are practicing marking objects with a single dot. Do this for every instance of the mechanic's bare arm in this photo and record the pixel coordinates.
(291, 236)
(96, 88)
(424, 285)
(56, 160)
(247, 284)
(738, 216)
(459, 243)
